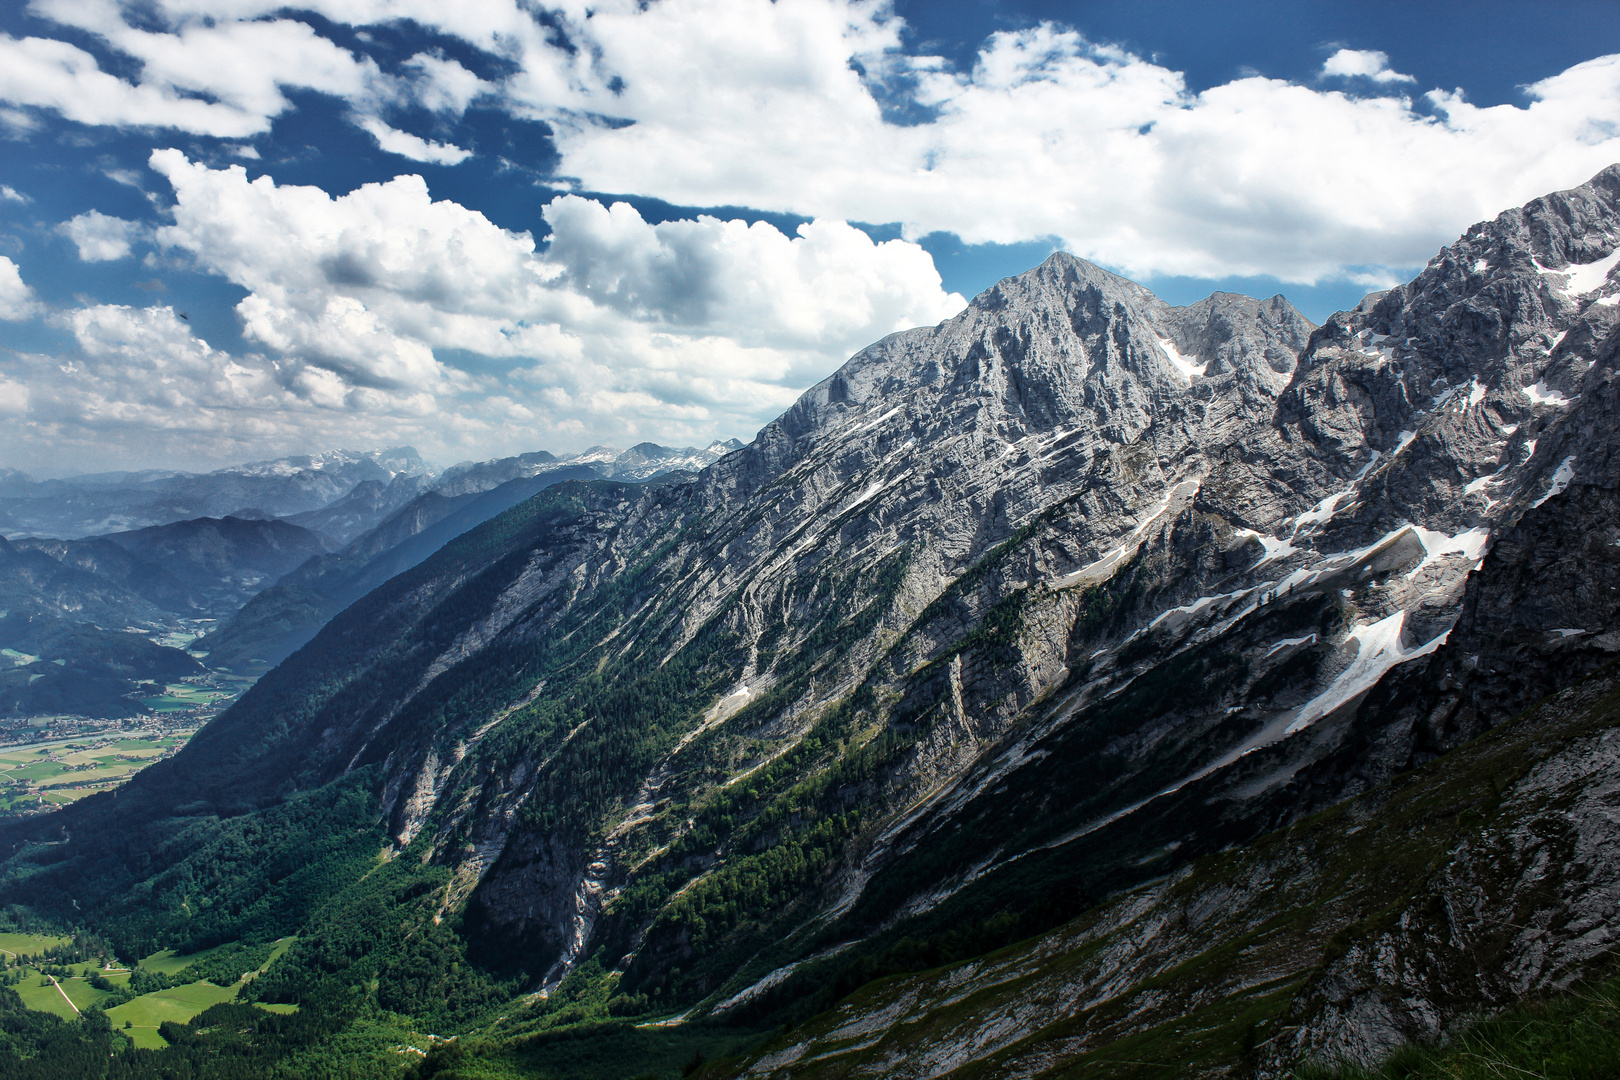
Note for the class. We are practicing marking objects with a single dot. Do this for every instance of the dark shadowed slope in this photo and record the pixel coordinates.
(1005, 616)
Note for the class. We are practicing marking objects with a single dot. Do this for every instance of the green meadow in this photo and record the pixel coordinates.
(179, 1004)
(169, 962)
(66, 997)
(179, 696)
(29, 944)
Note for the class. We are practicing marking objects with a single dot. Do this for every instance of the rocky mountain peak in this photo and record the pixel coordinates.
(1043, 601)
(1230, 333)
(1065, 352)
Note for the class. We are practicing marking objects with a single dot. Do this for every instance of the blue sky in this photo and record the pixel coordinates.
(235, 230)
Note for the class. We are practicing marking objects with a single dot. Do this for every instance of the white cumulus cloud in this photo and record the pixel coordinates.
(443, 85)
(99, 237)
(17, 300)
(619, 329)
(1362, 64)
(219, 72)
(411, 146)
(49, 74)
(829, 286)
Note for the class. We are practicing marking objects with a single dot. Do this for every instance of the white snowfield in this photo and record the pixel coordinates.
(1275, 548)
(1469, 543)
(1560, 480)
(1285, 643)
(1183, 365)
(1378, 648)
(1540, 395)
(1580, 279)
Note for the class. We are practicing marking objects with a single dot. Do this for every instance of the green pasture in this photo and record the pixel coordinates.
(83, 995)
(169, 962)
(30, 944)
(43, 998)
(282, 945)
(179, 1004)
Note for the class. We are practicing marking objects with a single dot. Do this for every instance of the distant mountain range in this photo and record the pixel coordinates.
(340, 493)
(101, 503)
(364, 517)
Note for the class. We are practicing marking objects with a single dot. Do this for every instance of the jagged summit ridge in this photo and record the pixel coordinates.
(1067, 342)
(1055, 389)
(1066, 590)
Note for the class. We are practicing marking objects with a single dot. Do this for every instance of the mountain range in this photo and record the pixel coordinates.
(1247, 681)
(78, 506)
(387, 511)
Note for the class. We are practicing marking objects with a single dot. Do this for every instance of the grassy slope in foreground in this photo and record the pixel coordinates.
(1454, 889)
(1571, 1036)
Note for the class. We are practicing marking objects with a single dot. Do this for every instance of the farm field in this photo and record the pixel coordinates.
(66, 997)
(63, 770)
(179, 1004)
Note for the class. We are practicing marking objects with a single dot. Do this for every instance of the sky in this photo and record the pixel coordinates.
(232, 230)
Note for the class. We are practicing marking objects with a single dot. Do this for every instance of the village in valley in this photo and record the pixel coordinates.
(49, 761)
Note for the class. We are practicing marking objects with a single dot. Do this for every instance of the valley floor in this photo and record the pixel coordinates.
(50, 761)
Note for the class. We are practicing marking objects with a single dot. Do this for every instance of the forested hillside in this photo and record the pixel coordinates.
(1128, 632)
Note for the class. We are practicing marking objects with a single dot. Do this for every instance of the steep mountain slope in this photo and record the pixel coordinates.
(1390, 919)
(279, 620)
(1480, 878)
(1004, 616)
(286, 615)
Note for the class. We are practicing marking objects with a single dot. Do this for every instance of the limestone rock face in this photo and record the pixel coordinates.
(1490, 876)
(1219, 527)
(1049, 599)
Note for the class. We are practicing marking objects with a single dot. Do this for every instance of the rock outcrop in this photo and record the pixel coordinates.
(1004, 616)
